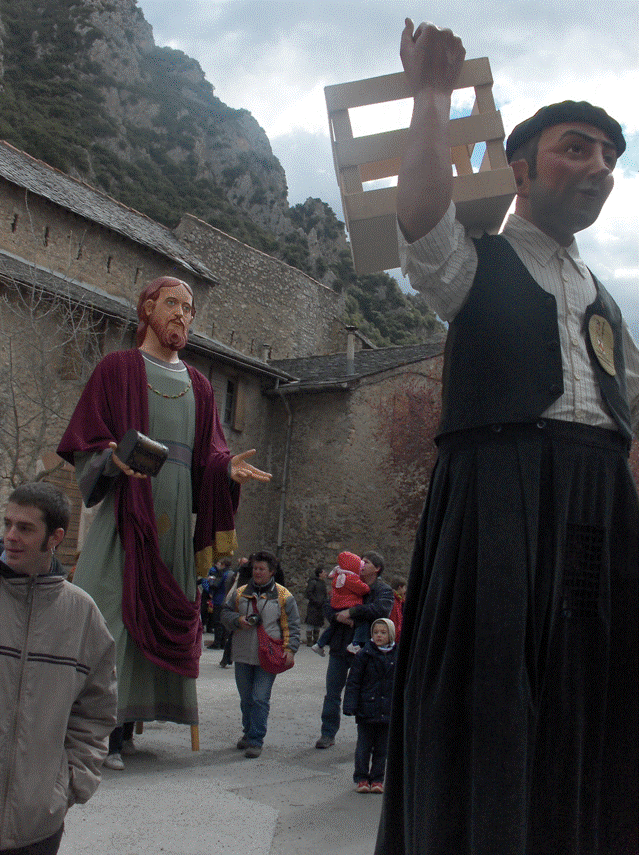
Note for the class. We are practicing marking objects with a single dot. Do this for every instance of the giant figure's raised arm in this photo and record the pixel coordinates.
(432, 59)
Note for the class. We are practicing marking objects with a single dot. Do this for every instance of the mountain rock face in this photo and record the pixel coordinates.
(84, 87)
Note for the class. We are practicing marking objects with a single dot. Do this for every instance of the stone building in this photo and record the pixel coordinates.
(345, 428)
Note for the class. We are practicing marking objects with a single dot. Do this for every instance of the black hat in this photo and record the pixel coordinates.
(565, 111)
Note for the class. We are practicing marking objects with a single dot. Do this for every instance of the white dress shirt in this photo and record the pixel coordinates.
(442, 266)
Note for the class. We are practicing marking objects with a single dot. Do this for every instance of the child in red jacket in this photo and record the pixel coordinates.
(348, 590)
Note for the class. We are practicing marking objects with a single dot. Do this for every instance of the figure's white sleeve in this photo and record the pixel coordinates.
(441, 264)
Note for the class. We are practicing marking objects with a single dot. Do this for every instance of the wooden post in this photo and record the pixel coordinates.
(195, 737)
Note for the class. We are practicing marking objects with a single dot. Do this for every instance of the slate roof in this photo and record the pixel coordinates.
(17, 270)
(38, 177)
(315, 373)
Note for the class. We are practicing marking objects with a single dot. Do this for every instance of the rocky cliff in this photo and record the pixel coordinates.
(85, 88)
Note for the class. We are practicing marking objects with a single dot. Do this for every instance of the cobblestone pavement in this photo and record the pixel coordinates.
(292, 800)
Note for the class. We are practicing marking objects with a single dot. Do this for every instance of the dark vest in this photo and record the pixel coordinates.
(502, 362)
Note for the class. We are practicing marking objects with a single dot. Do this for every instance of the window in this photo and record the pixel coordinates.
(232, 412)
(229, 401)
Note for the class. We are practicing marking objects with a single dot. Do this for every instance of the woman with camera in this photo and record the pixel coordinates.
(262, 602)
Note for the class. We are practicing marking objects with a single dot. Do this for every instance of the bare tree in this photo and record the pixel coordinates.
(50, 343)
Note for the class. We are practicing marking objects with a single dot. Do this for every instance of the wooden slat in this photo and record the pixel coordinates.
(461, 159)
(389, 145)
(394, 87)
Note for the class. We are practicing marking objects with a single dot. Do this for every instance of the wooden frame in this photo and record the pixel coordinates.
(482, 198)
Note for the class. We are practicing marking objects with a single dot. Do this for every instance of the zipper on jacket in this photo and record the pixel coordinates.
(11, 736)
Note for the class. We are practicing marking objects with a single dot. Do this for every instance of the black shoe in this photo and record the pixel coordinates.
(242, 743)
(325, 742)
(253, 751)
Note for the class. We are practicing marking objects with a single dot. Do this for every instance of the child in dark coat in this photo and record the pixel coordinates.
(368, 697)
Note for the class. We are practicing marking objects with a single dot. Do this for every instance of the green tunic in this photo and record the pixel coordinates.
(147, 692)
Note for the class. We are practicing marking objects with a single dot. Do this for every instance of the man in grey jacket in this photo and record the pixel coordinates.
(52, 636)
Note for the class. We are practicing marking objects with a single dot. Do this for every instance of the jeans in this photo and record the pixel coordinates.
(336, 675)
(254, 685)
(371, 749)
(48, 846)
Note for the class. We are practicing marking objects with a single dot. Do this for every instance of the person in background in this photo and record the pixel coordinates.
(347, 590)
(316, 596)
(206, 605)
(237, 577)
(367, 696)
(376, 604)
(218, 595)
(261, 599)
(397, 612)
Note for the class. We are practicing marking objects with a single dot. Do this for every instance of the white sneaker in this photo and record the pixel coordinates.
(114, 761)
(317, 649)
(128, 747)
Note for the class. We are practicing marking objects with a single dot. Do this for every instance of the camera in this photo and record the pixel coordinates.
(254, 620)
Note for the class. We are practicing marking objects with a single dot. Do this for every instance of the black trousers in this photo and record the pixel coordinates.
(118, 735)
(48, 846)
(370, 751)
(515, 705)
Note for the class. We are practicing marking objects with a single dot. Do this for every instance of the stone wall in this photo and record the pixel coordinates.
(260, 300)
(46, 234)
(359, 469)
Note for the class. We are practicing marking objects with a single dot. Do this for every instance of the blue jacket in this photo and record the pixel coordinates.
(369, 687)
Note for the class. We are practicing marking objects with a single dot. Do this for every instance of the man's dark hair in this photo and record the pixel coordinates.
(264, 555)
(54, 505)
(397, 582)
(226, 562)
(376, 559)
(271, 560)
(528, 152)
(319, 570)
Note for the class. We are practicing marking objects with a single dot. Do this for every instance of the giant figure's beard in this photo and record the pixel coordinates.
(171, 335)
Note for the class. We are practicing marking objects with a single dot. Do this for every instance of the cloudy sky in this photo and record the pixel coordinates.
(274, 58)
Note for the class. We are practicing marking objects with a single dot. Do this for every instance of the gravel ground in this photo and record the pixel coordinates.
(292, 800)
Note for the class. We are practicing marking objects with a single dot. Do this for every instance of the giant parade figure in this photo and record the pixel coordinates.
(141, 558)
(513, 729)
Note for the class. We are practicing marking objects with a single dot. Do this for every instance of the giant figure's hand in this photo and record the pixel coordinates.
(242, 471)
(432, 58)
(126, 469)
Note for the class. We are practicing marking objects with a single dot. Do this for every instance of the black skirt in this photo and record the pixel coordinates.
(514, 724)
